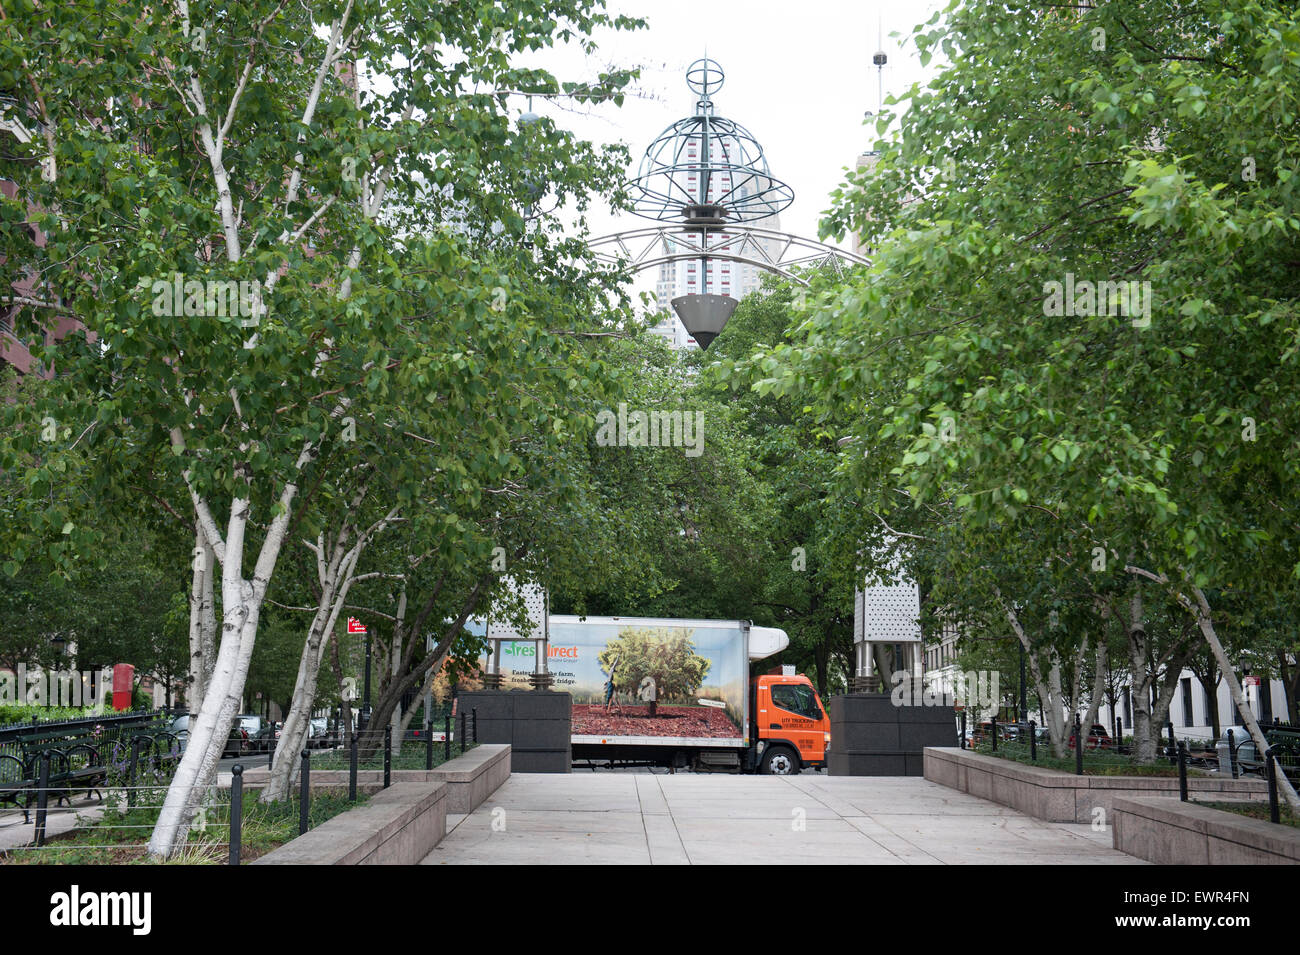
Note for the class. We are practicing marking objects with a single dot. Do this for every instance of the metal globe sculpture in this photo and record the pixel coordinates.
(707, 170)
(706, 183)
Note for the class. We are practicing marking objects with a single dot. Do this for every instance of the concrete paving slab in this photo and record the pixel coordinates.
(719, 819)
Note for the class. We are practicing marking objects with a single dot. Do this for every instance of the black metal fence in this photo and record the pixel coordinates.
(1100, 752)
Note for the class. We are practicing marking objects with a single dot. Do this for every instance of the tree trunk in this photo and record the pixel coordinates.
(1205, 621)
(1048, 690)
(1098, 687)
(412, 673)
(821, 660)
(1290, 673)
(203, 621)
(241, 602)
(1144, 747)
(1211, 691)
(294, 733)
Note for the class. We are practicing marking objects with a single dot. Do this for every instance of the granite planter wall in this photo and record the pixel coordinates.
(471, 777)
(1054, 796)
(1169, 832)
(397, 826)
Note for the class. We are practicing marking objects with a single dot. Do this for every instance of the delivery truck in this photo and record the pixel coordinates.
(677, 693)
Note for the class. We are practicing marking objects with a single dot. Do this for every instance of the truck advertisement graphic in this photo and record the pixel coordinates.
(672, 679)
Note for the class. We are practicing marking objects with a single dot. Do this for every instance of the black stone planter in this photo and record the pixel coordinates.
(870, 736)
(536, 723)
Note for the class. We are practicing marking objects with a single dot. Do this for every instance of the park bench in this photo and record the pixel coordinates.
(82, 761)
(17, 786)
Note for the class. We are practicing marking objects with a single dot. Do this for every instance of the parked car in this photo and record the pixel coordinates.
(319, 737)
(979, 734)
(236, 740)
(1098, 738)
(261, 742)
(1284, 741)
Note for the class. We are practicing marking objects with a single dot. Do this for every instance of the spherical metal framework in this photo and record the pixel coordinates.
(706, 169)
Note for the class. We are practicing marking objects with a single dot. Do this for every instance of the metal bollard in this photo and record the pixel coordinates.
(42, 797)
(270, 758)
(963, 729)
(1182, 770)
(1274, 813)
(1078, 746)
(1232, 755)
(462, 731)
(1173, 745)
(446, 738)
(352, 770)
(236, 811)
(1033, 742)
(993, 731)
(474, 717)
(304, 794)
(388, 757)
(428, 745)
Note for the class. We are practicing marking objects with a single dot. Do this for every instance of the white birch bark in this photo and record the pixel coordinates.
(203, 622)
(337, 575)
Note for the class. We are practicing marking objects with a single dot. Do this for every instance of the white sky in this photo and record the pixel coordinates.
(799, 76)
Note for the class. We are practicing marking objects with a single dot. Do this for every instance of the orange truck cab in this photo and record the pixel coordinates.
(790, 729)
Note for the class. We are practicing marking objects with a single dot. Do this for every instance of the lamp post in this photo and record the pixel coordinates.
(59, 642)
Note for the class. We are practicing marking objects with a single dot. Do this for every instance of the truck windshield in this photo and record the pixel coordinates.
(797, 698)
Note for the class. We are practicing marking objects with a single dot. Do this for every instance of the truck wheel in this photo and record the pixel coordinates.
(779, 761)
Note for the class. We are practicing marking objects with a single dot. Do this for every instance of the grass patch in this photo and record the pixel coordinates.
(121, 835)
(411, 757)
(1256, 810)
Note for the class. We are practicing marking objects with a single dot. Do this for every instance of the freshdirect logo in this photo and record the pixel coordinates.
(528, 650)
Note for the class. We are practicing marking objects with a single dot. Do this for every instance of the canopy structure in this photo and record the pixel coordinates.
(706, 180)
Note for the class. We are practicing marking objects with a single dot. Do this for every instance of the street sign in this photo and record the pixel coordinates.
(1252, 681)
(355, 625)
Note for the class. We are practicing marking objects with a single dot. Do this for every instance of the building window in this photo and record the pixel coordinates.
(1189, 716)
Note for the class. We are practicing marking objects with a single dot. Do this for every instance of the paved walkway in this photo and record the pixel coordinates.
(703, 819)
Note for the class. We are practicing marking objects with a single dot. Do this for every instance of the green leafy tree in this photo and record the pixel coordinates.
(1119, 143)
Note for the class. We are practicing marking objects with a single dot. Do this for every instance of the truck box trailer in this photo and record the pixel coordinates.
(677, 693)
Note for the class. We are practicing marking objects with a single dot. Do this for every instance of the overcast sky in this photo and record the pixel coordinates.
(799, 76)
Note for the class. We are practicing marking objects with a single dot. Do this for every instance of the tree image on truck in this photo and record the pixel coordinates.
(665, 655)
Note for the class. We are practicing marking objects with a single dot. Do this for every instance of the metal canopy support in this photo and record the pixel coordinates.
(776, 252)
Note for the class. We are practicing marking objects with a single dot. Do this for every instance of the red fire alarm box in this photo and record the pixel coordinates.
(123, 680)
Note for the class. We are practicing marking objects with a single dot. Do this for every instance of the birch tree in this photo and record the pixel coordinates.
(187, 148)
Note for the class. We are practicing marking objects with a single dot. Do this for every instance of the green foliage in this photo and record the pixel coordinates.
(1009, 434)
(11, 713)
